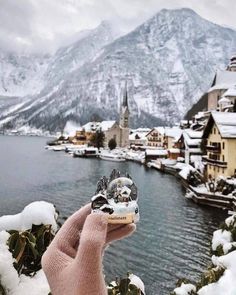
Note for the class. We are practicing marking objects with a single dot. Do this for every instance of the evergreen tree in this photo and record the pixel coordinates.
(112, 144)
(97, 139)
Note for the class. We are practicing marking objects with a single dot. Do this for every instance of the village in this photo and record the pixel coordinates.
(200, 152)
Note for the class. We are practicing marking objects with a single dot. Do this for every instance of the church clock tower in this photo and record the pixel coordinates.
(124, 120)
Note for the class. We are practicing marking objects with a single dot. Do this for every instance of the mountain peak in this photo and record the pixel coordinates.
(184, 10)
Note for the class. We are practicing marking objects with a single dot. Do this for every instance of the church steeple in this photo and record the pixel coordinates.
(124, 111)
(125, 97)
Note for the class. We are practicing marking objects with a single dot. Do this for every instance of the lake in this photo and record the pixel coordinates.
(172, 238)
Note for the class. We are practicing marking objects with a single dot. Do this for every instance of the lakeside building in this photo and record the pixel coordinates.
(84, 135)
(224, 81)
(189, 144)
(163, 137)
(138, 137)
(156, 137)
(172, 135)
(220, 143)
(154, 154)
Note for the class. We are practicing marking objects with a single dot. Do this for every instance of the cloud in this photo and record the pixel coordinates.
(45, 25)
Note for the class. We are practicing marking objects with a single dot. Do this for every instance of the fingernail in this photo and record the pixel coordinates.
(101, 220)
(104, 219)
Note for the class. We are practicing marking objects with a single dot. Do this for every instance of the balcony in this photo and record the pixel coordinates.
(214, 162)
(213, 148)
(154, 139)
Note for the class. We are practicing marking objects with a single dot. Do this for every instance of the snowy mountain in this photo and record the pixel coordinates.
(27, 93)
(168, 62)
(21, 74)
(70, 58)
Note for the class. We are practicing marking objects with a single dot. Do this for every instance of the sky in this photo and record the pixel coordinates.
(42, 26)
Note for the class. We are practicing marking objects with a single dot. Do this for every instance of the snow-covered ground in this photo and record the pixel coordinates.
(35, 213)
(14, 284)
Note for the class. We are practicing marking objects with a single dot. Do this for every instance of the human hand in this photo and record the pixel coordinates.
(73, 261)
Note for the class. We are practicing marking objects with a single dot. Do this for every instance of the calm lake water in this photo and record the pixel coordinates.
(172, 239)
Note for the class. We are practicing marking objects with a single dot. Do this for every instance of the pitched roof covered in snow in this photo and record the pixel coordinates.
(192, 138)
(138, 136)
(193, 134)
(94, 126)
(223, 80)
(160, 130)
(225, 122)
(174, 132)
(230, 92)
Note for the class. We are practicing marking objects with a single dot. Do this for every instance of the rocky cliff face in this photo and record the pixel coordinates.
(168, 62)
(21, 74)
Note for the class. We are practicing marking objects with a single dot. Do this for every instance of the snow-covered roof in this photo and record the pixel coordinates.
(193, 134)
(226, 123)
(230, 92)
(141, 135)
(224, 80)
(192, 138)
(161, 130)
(224, 100)
(156, 152)
(174, 132)
(143, 130)
(105, 125)
(201, 115)
(93, 126)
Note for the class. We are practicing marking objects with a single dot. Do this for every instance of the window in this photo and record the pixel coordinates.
(223, 145)
(214, 131)
(223, 158)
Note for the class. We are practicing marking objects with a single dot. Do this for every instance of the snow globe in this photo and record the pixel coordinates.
(117, 196)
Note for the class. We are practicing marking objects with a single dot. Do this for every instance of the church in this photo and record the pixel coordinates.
(112, 129)
(120, 131)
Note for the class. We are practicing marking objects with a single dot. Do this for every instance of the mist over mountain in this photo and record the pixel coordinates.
(168, 62)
